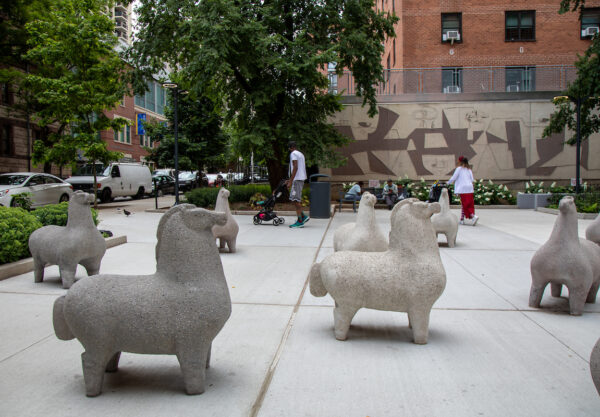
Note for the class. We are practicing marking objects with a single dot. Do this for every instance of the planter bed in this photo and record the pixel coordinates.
(26, 265)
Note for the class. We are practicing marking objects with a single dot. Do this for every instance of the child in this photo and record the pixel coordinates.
(464, 188)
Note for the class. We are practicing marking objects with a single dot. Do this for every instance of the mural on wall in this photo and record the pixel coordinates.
(502, 140)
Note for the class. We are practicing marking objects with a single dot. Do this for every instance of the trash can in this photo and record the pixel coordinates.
(320, 197)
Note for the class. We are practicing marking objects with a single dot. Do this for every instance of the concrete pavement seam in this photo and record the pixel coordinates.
(521, 311)
(25, 348)
(269, 377)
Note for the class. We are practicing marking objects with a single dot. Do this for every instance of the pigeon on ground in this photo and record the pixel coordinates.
(127, 212)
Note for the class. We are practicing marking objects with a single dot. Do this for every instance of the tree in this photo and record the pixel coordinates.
(78, 75)
(201, 140)
(586, 87)
(265, 62)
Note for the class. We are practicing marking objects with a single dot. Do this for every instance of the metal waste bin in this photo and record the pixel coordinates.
(320, 197)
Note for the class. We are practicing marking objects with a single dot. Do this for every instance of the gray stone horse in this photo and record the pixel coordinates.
(227, 234)
(408, 277)
(364, 235)
(79, 242)
(565, 259)
(176, 311)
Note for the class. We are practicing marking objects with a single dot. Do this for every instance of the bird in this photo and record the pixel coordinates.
(126, 212)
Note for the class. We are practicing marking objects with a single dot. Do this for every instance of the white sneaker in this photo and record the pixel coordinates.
(474, 219)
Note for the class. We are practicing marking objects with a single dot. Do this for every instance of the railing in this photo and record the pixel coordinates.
(464, 80)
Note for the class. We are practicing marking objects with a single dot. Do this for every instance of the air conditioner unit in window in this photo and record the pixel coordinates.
(451, 35)
(512, 88)
(452, 89)
(590, 31)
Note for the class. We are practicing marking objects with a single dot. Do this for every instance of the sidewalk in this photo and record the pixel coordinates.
(488, 354)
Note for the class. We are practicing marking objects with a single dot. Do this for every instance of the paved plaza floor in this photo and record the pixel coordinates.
(489, 354)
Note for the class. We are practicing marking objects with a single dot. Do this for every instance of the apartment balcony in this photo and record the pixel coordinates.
(121, 24)
(120, 15)
(458, 81)
(120, 7)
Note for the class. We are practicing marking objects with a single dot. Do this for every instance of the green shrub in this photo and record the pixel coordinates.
(207, 196)
(23, 200)
(16, 225)
(57, 214)
(585, 202)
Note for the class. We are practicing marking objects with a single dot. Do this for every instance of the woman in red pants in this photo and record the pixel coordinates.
(463, 186)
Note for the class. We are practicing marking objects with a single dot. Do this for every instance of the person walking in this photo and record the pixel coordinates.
(296, 183)
(390, 193)
(463, 179)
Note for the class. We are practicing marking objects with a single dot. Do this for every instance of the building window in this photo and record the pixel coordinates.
(590, 23)
(145, 140)
(6, 140)
(161, 99)
(394, 49)
(151, 97)
(520, 26)
(451, 80)
(520, 79)
(5, 94)
(333, 78)
(451, 27)
(124, 134)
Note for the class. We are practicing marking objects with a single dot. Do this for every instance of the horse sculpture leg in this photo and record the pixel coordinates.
(577, 297)
(536, 293)
(418, 318)
(342, 317)
(208, 356)
(38, 270)
(92, 265)
(113, 363)
(67, 274)
(555, 289)
(591, 297)
(94, 364)
(231, 245)
(193, 367)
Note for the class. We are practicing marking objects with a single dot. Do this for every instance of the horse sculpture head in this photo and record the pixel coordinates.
(368, 199)
(184, 218)
(567, 204)
(81, 197)
(411, 223)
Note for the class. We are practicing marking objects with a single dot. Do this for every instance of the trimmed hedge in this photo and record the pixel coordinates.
(585, 202)
(16, 225)
(207, 196)
(57, 214)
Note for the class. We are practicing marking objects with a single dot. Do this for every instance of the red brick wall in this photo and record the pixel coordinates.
(418, 42)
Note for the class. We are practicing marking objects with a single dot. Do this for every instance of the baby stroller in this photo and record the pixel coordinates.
(436, 191)
(267, 214)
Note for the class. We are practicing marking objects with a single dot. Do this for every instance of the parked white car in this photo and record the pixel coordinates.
(117, 180)
(44, 188)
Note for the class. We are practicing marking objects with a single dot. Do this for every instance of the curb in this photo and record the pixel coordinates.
(26, 265)
(582, 216)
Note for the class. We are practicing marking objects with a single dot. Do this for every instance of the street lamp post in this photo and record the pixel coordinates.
(578, 101)
(176, 92)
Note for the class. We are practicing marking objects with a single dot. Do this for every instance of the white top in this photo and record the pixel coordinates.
(464, 180)
(301, 173)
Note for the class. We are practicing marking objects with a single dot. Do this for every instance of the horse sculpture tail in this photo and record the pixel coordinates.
(61, 328)
(316, 283)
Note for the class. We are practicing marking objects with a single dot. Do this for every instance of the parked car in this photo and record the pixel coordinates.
(165, 184)
(188, 180)
(44, 188)
(117, 180)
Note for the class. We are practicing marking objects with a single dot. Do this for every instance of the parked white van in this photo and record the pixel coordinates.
(119, 179)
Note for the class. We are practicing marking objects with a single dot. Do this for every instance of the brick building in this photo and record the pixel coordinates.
(454, 46)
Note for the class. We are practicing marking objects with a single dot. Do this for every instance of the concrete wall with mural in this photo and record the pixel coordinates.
(502, 139)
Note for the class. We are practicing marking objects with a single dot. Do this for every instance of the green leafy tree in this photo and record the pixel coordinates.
(586, 88)
(78, 75)
(201, 139)
(265, 62)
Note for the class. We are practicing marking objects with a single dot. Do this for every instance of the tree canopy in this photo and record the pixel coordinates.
(264, 63)
(76, 75)
(201, 139)
(586, 88)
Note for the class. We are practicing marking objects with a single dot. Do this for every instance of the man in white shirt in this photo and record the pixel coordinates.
(296, 183)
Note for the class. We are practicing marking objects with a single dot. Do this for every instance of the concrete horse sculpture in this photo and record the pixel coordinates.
(408, 277)
(446, 222)
(227, 233)
(565, 259)
(364, 235)
(79, 242)
(176, 311)
(592, 233)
